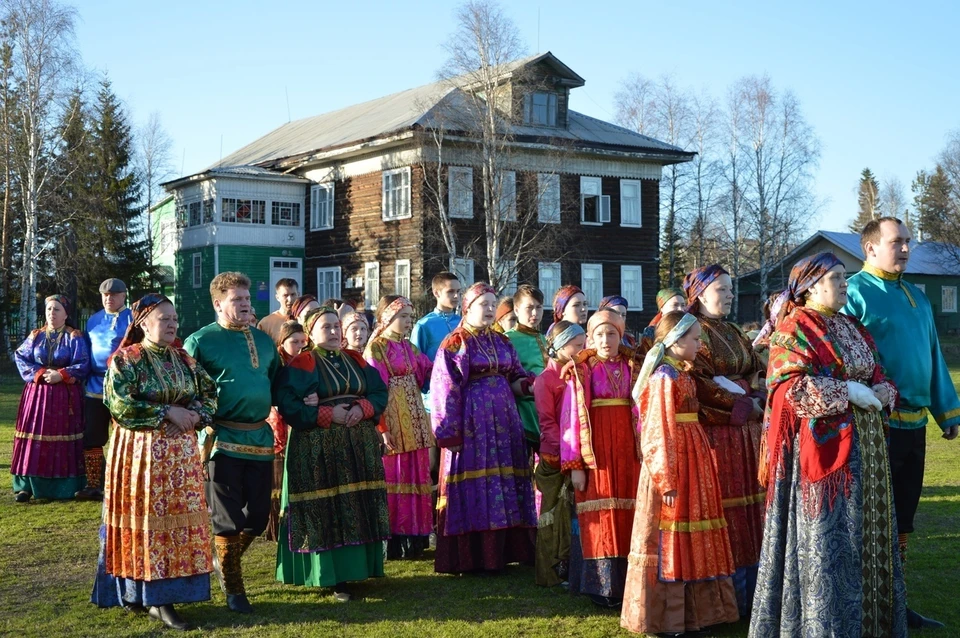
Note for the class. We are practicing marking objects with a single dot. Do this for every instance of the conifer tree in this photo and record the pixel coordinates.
(868, 198)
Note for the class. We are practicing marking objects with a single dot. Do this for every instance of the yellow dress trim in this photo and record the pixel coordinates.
(493, 471)
(48, 437)
(693, 526)
(337, 491)
(687, 417)
(752, 499)
(606, 504)
(604, 403)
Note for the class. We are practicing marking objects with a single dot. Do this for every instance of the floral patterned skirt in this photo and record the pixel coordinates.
(154, 510)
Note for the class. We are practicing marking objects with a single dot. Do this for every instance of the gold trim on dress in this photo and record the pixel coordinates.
(156, 523)
(693, 526)
(406, 488)
(752, 499)
(493, 471)
(337, 491)
(909, 416)
(254, 450)
(48, 437)
(604, 403)
(687, 417)
(607, 504)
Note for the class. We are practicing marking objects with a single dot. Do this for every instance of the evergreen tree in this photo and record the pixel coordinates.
(868, 199)
(933, 205)
(115, 190)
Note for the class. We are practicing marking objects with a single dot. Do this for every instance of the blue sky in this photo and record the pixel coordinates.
(877, 81)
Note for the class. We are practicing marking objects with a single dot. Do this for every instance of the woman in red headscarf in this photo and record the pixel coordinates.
(485, 513)
(48, 445)
(726, 372)
(599, 448)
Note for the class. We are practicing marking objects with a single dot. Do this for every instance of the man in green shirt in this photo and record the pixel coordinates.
(532, 349)
(238, 449)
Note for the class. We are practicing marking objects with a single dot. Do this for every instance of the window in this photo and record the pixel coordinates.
(948, 299)
(181, 216)
(328, 283)
(540, 109)
(591, 281)
(549, 279)
(508, 196)
(401, 278)
(208, 211)
(507, 269)
(321, 207)
(631, 286)
(460, 188)
(548, 203)
(243, 211)
(396, 194)
(463, 269)
(197, 270)
(371, 284)
(630, 203)
(594, 207)
(194, 213)
(285, 213)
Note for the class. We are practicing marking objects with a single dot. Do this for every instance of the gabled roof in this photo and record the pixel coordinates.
(423, 107)
(926, 258)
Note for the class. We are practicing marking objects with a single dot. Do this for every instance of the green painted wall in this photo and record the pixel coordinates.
(164, 246)
(194, 307)
(947, 322)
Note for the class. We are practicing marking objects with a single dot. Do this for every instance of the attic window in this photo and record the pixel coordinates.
(540, 109)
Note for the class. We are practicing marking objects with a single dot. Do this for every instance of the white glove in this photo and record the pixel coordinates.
(862, 396)
(728, 385)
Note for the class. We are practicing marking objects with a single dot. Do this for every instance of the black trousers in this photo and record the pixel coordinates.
(96, 423)
(908, 450)
(238, 492)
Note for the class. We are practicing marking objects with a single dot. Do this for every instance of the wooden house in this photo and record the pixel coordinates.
(363, 183)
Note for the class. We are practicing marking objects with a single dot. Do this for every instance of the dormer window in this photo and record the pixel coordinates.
(540, 109)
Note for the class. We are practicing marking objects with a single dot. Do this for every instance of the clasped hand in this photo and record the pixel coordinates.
(347, 416)
(181, 419)
(52, 376)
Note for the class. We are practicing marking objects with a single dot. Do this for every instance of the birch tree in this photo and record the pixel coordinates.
(153, 162)
(40, 33)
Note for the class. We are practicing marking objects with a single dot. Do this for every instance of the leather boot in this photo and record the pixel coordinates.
(245, 541)
(169, 617)
(229, 550)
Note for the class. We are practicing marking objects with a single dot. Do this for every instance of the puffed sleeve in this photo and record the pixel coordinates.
(447, 381)
(123, 396)
(658, 410)
(291, 384)
(30, 369)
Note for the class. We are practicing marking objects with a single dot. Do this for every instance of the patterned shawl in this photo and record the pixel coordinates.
(697, 281)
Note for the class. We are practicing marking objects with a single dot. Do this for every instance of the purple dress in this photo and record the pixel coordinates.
(486, 514)
(48, 445)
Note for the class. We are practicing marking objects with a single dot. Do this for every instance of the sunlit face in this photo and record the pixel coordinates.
(160, 324)
(674, 304)
(529, 312)
(402, 322)
(687, 346)
(892, 252)
(572, 348)
(326, 331)
(717, 300)
(448, 297)
(606, 339)
(620, 310)
(294, 344)
(113, 302)
(356, 335)
(235, 306)
(576, 310)
(311, 305)
(508, 321)
(831, 289)
(56, 314)
(482, 311)
(286, 295)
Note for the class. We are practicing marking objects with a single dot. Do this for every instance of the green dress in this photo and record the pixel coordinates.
(334, 498)
(532, 348)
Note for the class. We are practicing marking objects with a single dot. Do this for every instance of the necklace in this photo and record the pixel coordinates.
(52, 344)
(171, 378)
(615, 379)
(334, 368)
(491, 353)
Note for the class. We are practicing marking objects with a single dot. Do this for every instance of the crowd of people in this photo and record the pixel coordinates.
(688, 475)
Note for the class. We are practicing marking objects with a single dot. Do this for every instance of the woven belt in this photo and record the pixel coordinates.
(603, 403)
(687, 417)
(243, 427)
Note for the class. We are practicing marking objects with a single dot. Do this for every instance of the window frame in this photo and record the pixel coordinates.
(551, 109)
(328, 190)
(404, 194)
(458, 266)
(371, 297)
(465, 177)
(276, 213)
(252, 212)
(943, 305)
(549, 291)
(397, 288)
(339, 282)
(197, 270)
(583, 284)
(639, 223)
(543, 201)
(635, 301)
(588, 184)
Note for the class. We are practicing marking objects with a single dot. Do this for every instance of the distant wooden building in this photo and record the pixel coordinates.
(929, 268)
(339, 201)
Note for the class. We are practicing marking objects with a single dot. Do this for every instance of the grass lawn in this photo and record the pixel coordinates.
(48, 554)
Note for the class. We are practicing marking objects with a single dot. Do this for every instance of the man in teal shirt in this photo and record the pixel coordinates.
(238, 450)
(899, 317)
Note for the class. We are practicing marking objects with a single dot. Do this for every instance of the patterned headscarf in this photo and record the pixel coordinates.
(666, 294)
(140, 309)
(613, 300)
(699, 280)
(386, 317)
(60, 299)
(562, 298)
(299, 304)
(659, 349)
(601, 317)
(473, 293)
(314, 315)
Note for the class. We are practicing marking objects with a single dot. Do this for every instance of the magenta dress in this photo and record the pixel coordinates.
(486, 516)
(48, 444)
(405, 371)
